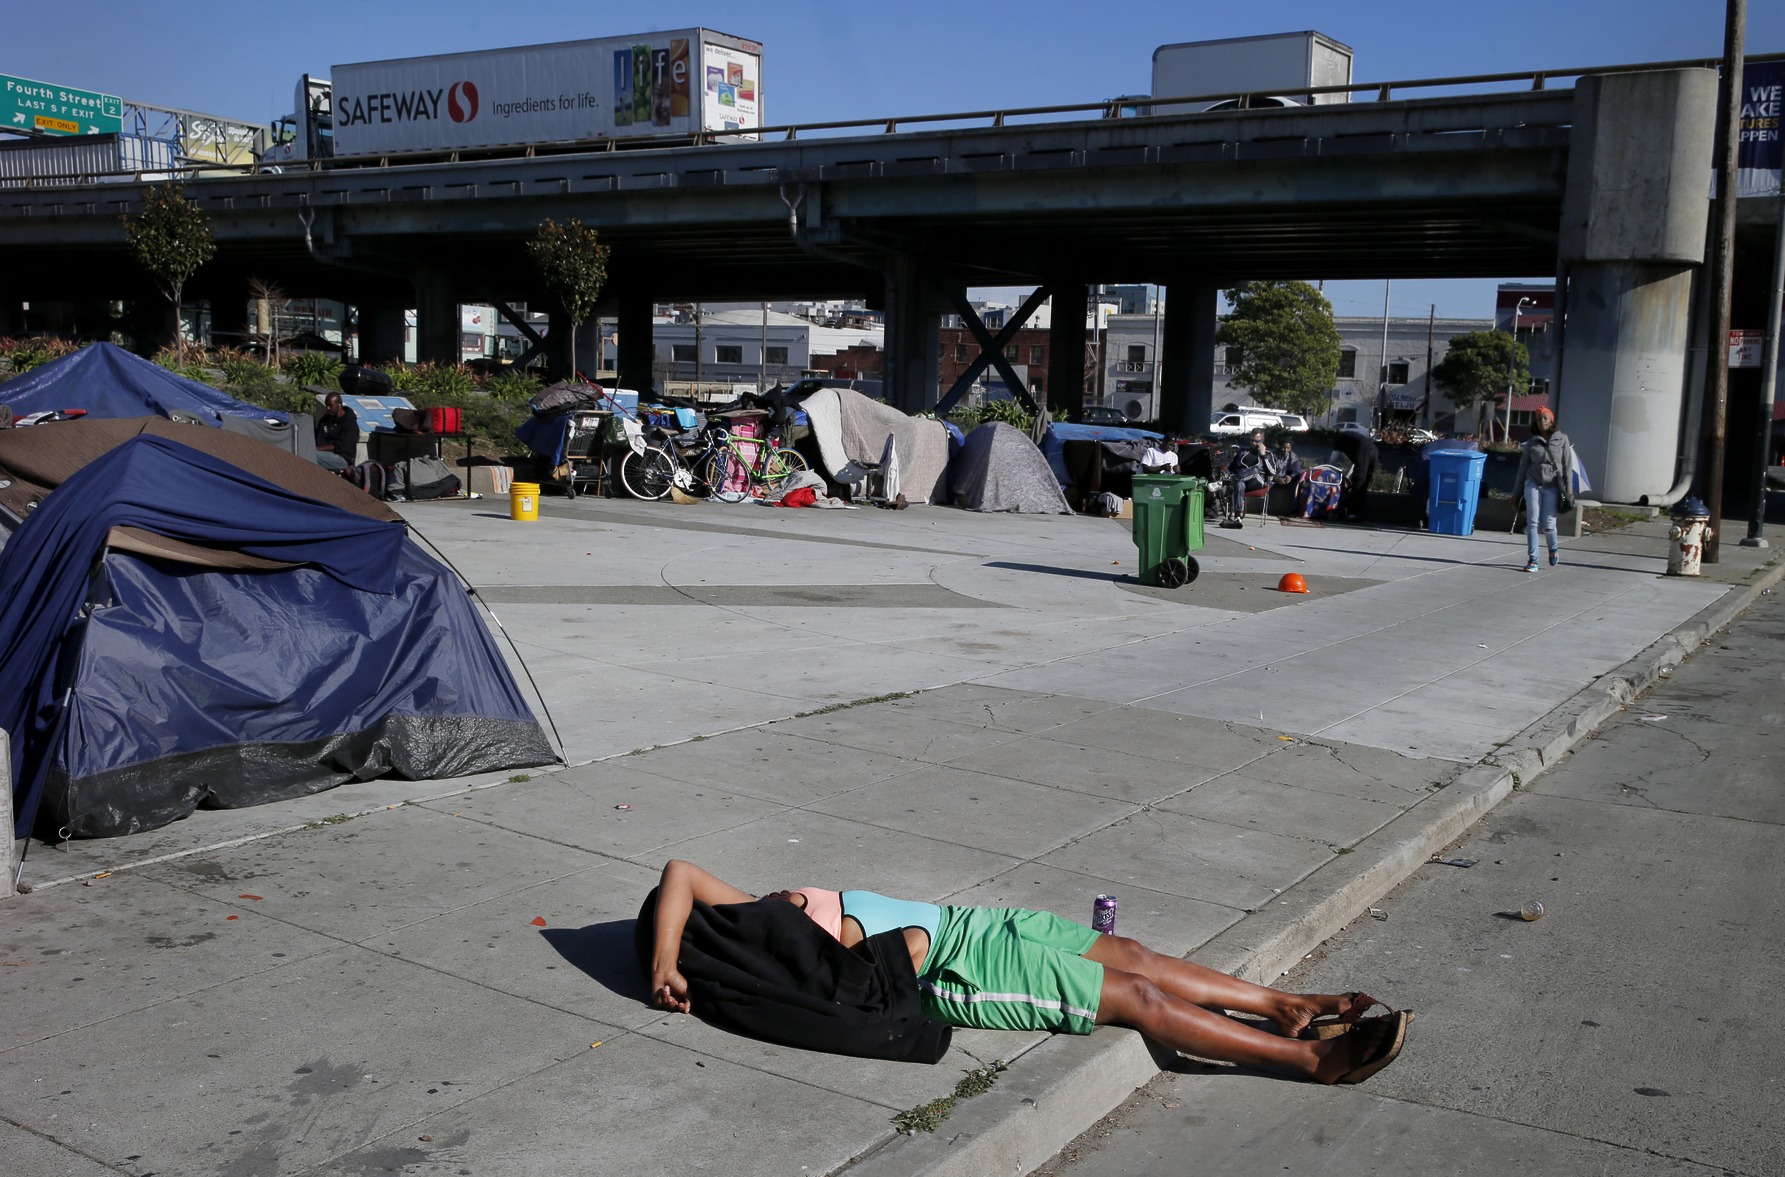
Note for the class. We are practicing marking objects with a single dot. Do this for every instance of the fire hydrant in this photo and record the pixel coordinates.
(1685, 546)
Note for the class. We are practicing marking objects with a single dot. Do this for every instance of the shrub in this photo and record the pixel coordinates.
(511, 385)
(486, 418)
(1010, 411)
(404, 378)
(27, 354)
(427, 376)
(450, 380)
(310, 367)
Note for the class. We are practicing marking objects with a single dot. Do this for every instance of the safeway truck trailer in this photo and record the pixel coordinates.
(682, 82)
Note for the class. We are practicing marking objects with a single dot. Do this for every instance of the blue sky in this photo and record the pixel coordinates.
(841, 60)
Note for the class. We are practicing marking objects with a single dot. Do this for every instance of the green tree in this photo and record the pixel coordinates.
(572, 263)
(170, 238)
(1288, 347)
(1482, 367)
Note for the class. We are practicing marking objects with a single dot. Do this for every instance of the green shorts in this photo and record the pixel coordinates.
(1004, 968)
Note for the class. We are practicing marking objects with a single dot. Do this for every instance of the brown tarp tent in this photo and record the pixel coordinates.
(36, 459)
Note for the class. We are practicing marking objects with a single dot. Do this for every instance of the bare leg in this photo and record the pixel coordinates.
(1130, 999)
(1217, 991)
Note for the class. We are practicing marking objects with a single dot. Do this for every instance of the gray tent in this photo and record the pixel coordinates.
(999, 469)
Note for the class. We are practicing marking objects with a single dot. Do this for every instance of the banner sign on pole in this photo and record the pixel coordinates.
(1758, 152)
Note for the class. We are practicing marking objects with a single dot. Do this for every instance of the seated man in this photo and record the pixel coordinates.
(1289, 466)
(337, 434)
(1253, 468)
(1011, 969)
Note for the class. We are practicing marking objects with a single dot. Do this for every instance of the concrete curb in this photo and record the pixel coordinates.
(1066, 1084)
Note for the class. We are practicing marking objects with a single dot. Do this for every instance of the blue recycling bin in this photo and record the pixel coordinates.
(1456, 489)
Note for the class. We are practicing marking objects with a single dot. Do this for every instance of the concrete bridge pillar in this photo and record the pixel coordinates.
(1066, 348)
(1632, 234)
(914, 308)
(1186, 379)
(383, 331)
(436, 318)
(637, 352)
(12, 315)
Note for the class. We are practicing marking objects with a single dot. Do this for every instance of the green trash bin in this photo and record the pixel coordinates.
(1168, 527)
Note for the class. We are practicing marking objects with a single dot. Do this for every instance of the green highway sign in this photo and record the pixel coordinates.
(57, 110)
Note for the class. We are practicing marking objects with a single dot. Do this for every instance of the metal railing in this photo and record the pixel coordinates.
(1132, 367)
(1109, 109)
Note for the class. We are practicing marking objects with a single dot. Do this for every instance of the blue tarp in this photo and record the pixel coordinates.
(138, 690)
(108, 381)
(1053, 442)
(546, 436)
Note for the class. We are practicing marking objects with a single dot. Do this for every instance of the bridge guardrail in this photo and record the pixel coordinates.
(1111, 108)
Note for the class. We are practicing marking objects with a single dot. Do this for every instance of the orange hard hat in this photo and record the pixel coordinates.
(1292, 582)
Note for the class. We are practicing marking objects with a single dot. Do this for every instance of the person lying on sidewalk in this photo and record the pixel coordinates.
(1007, 969)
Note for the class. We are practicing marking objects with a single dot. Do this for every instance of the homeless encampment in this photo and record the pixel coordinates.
(104, 380)
(180, 629)
(999, 469)
(852, 429)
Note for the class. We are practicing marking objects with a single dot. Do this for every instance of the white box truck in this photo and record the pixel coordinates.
(1284, 64)
(668, 83)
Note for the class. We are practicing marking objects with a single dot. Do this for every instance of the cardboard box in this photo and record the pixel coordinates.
(491, 480)
(1127, 511)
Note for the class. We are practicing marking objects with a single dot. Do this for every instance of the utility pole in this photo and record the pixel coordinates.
(1716, 385)
(1511, 366)
(1769, 377)
(1382, 372)
(1425, 406)
(699, 350)
(762, 356)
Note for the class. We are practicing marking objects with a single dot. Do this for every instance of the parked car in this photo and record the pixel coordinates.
(1101, 415)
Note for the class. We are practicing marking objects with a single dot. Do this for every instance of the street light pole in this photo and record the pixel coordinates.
(1382, 373)
(1511, 362)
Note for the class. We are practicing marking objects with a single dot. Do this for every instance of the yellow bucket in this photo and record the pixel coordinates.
(523, 501)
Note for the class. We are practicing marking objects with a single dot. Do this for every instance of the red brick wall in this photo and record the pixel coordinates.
(958, 342)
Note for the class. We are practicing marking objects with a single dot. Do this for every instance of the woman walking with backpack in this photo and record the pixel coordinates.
(1545, 479)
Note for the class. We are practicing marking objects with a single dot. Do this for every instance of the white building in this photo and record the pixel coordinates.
(728, 345)
(1129, 376)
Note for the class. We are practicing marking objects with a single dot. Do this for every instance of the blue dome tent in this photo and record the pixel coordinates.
(177, 630)
(108, 381)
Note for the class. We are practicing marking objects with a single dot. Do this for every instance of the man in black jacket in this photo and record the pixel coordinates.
(337, 434)
(777, 977)
(1357, 445)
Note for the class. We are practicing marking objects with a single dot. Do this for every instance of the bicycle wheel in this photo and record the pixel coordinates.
(647, 475)
(784, 462)
(717, 472)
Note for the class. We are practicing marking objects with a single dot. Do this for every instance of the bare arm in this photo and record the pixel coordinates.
(682, 884)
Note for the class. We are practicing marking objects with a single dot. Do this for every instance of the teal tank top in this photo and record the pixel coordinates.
(877, 913)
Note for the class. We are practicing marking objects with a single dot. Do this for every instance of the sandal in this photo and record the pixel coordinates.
(1334, 1027)
(1390, 1031)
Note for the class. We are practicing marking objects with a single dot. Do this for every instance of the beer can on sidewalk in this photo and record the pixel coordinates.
(1103, 915)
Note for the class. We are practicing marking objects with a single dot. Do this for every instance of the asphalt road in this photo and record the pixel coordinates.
(1633, 1030)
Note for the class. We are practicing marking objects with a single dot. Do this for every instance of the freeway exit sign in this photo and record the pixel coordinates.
(57, 110)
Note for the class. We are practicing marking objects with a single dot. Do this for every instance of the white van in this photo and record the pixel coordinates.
(1246, 420)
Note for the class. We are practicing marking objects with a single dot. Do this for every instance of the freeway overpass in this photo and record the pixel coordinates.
(1602, 182)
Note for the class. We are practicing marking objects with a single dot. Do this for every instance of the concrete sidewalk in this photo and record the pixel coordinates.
(372, 994)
